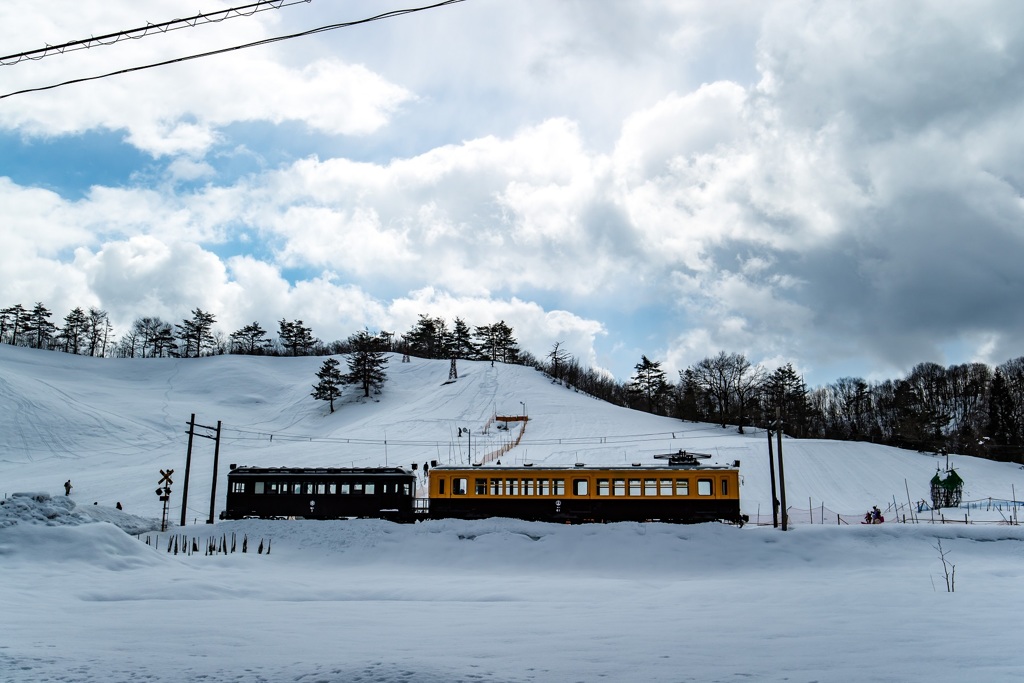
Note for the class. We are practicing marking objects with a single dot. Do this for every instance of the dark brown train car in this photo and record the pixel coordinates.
(580, 493)
(320, 493)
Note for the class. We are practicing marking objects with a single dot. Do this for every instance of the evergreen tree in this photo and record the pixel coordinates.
(786, 391)
(429, 338)
(12, 322)
(366, 362)
(649, 385)
(296, 338)
(462, 340)
(72, 336)
(249, 340)
(38, 327)
(196, 333)
(331, 380)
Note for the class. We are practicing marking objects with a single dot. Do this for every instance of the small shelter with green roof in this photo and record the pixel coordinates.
(947, 492)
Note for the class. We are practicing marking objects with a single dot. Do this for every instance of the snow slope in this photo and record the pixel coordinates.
(493, 600)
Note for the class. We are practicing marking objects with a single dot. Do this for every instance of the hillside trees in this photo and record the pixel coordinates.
(649, 385)
(296, 338)
(12, 322)
(250, 340)
(196, 333)
(38, 328)
(785, 392)
(330, 384)
(496, 343)
(429, 338)
(73, 335)
(366, 362)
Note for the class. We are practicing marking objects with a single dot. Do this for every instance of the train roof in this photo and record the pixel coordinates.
(242, 469)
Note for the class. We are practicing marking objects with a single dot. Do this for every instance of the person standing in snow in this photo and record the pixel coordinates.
(119, 505)
(67, 487)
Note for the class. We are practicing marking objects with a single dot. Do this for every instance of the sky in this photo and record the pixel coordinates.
(830, 185)
(86, 600)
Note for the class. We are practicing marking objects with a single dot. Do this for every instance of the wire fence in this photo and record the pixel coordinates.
(981, 511)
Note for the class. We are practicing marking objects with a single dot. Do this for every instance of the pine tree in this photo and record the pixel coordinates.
(72, 336)
(296, 338)
(250, 340)
(461, 340)
(12, 319)
(38, 327)
(649, 384)
(196, 333)
(331, 380)
(366, 362)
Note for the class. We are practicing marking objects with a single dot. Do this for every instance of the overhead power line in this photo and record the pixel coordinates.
(266, 41)
(147, 30)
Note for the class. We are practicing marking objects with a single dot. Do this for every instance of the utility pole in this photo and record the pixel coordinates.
(782, 476)
(188, 467)
(188, 462)
(775, 497)
(213, 488)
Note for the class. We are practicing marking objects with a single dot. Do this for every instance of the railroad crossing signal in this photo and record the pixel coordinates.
(163, 492)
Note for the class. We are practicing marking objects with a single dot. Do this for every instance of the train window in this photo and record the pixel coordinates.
(579, 487)
(332, 488)
(682, 487)
(543, 487)
(460, 485)
(481, 487)
(527, 487)
(370, 488)
(666, 487)
(602, 487)
(307, 488)
(259, 486)
(725, 487)
(495, 487)
(407, 489)
(357, 489)
(440, 486)
(512, 487)
(238, 487)
(650, 487)
(346, 489)
(705, 487)
(619, 487)
(296, 488)
(558, 487)
(634, 487)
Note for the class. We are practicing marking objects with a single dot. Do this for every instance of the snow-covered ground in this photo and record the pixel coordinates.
(494, 600)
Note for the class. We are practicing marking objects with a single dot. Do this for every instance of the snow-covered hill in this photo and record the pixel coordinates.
(491, 600)
(111, 425)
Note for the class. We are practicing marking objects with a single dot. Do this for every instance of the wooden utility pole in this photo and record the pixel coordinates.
(213, 488)
(188, 463)
(782, 475)
(775, 497)
(188, 467)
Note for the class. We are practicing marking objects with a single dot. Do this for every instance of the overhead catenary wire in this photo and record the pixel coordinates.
(147, 30)
(266, 41)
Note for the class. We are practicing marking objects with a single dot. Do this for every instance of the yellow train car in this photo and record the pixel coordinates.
(583, 493)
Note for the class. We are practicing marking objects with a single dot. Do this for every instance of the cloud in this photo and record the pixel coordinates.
(180, 109)
(812, 182)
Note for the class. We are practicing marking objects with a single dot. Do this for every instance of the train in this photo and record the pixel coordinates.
(682, 491)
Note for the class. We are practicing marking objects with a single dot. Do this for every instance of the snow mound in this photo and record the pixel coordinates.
(42, 508)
